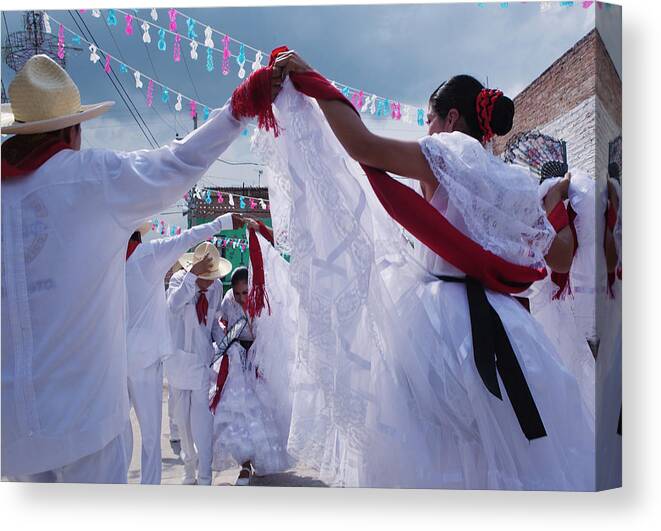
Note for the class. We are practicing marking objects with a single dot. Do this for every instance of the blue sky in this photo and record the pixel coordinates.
(399, 51)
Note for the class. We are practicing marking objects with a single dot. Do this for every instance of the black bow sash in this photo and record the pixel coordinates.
(494, 356)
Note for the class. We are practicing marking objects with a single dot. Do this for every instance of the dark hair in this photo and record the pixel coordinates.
(240, 275)
(460, 92)
(614, 171)
(136, 237)
(19, 147)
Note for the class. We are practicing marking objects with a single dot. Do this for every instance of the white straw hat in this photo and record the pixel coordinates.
(219, 266)
(45, 98)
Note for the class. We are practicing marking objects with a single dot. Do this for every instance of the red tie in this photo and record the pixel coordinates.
(202, 307)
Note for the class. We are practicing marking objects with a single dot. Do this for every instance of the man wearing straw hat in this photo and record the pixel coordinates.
(194, 299)
(67, 214)
(148, 334)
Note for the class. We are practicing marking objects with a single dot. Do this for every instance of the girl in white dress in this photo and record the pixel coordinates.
(386, 391)
(245, 432)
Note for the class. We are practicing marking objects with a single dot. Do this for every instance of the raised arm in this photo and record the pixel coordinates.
(139, 183)
(167, 250)
(400, 157)
(561, 254)
(183, 287)
(181, 291)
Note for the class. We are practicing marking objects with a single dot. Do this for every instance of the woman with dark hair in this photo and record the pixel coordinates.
(416, 369)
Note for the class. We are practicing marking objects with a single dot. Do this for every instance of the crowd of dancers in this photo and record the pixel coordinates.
(445, 335)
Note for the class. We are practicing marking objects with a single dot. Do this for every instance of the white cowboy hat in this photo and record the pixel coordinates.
(44, 98)
(219, 266)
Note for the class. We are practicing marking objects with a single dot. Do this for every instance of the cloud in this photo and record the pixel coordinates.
(399, 51)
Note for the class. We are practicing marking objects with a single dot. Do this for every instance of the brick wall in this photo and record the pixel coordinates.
(576, 127)
(565, 102)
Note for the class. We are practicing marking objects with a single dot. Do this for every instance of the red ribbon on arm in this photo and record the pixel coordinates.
(402, 203)
(31, 161)
(561, 217)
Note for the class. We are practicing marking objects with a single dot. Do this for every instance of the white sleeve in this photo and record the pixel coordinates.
(181, 291)
(168, 250)
(140, 183)
(217, 332)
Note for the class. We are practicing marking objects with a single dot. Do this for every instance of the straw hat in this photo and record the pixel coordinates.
(219, 266)
(44, 98)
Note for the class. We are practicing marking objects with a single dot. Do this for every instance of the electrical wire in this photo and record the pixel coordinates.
(115, 85)
(121, 55)
(112, 75)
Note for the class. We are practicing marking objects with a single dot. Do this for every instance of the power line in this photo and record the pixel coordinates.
(232, 163)
(115, 85)
(119, 81)
(169, 104)
(191, 77)
(4, 17)
(119, 50)
(117, 89)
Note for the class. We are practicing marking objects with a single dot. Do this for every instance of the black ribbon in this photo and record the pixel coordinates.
(245, 344)
(494, 356)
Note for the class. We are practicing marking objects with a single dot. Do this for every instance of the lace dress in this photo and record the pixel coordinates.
(383, 384)
(244, 428)
(558, 316)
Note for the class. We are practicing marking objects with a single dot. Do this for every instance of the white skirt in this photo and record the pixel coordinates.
(477, 443)
(570, 344)
(244, 428)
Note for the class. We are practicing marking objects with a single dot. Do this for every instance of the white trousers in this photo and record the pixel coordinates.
(146, 395)
(108, 465)
(174, 431)
(195, 424)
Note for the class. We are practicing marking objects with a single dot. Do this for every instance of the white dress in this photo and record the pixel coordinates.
(244, 427)
(385, 389)
(609, 366)
(557, 315)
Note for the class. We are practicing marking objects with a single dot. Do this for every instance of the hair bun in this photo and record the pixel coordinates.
(502, 116)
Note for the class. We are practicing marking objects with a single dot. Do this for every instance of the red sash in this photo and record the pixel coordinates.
(402, 203)
(426, 223)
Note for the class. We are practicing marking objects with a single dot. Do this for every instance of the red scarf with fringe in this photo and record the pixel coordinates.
(402, 203)
(258, 297)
